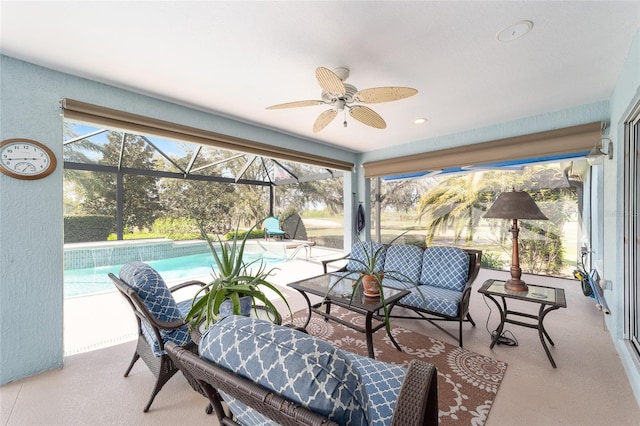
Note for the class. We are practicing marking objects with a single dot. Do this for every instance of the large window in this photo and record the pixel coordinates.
(448, 209)
(146, 186)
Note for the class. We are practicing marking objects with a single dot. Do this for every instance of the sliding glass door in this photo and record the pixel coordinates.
(632, 229)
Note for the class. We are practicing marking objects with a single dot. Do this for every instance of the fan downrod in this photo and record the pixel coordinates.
(342, 73)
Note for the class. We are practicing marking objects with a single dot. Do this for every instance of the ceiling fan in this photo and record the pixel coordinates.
(341, 96)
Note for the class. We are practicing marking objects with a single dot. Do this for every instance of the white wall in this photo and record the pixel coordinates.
(31, 212)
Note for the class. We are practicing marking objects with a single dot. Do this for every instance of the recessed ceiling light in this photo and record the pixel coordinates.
(515, 31)
(420, 120)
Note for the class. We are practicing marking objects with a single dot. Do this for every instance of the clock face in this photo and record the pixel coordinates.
(26, 159)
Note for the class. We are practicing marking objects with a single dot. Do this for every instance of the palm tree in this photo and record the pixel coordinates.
(458, 202)
(451, 204)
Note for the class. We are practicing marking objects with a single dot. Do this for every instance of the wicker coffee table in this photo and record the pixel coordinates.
(336, 290)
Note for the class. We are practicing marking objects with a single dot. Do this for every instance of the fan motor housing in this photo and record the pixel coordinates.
(348, 97)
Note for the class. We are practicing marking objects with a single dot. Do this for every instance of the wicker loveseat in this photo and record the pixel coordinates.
(438, 277)
(269, 374)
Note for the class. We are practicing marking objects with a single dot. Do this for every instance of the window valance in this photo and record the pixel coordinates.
(567, 140)
(95, 114)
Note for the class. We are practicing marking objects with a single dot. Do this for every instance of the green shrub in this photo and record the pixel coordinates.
(176, 228)
(491, 260)
(255, 233)
(542, 256)
(147, 235)
(80, 229)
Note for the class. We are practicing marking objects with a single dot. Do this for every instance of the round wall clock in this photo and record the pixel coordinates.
(26, 159)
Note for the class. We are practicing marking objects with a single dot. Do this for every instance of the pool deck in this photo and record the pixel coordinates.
(102, 320)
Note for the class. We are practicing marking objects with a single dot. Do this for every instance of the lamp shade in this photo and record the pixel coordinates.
(515, 205)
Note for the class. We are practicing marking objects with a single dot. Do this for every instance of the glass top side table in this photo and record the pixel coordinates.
(549, 299)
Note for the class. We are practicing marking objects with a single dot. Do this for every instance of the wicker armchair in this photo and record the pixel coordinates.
(160, 320)
(317, 384)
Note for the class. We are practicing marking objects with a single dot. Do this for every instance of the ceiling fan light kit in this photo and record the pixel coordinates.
(341, 96)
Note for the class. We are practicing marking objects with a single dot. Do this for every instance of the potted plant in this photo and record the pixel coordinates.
(234, 282)
(370, 275)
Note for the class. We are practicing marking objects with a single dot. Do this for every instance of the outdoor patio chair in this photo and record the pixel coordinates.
(272, 228)
(160, 320)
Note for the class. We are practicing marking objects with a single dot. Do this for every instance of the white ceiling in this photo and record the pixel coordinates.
(236, 58)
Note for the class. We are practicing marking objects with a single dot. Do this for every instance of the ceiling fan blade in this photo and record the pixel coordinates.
(376, 95)
(295, 104)
(329, 81)
(367, 116)
(324, 119)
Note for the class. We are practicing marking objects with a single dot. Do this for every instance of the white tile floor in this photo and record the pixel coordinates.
(589, 386)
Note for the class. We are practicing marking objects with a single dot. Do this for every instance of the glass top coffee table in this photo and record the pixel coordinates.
(337, 290)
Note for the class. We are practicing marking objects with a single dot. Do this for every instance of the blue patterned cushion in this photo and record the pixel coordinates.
(300, 367)
(362, 251)
(157, 297)
(445, 267)
(382, 382)
(433, 299)
(403, 262)
(401, 284)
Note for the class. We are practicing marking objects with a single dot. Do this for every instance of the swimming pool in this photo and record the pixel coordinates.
(83, 282)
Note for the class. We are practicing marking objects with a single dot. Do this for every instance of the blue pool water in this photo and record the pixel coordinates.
(82, 282)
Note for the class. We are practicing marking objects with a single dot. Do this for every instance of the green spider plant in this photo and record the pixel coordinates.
(232, 280)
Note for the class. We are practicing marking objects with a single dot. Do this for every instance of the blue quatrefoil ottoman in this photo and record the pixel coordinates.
(345, 387)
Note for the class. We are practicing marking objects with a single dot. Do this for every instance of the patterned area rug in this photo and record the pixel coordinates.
(467, 382)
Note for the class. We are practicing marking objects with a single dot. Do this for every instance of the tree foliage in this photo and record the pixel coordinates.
(458, 202)
(325, 192)
(453, 204)
(140, 198)
(209, 202)
(402, 196)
